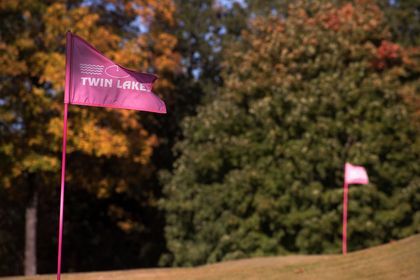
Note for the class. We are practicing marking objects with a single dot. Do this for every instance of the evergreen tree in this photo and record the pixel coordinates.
(403, 17)
(260, 170)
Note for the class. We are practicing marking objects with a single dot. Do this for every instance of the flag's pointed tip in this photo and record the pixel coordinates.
(163, 108)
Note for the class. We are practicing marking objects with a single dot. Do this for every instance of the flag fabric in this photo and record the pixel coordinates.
(95, 80)
(354, 174)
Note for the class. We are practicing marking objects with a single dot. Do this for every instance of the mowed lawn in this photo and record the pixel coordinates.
(396, 260)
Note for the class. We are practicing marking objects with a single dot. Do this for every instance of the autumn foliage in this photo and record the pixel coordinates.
(109, 151)
(266, 101)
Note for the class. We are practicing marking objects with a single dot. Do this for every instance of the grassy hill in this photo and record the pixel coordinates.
(396, 260)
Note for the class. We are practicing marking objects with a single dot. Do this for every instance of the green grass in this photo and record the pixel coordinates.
(396, 260)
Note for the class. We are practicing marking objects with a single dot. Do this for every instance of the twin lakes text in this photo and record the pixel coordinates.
(109, 83)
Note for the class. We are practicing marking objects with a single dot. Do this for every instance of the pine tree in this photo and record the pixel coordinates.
(261, 167)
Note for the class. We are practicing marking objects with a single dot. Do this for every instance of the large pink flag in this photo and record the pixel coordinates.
(94, 80)
(355, 174)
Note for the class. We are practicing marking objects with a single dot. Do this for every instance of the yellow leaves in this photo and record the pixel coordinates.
(167, 60)
(9, 5)
(100, 37)
(81, 21)
(165, 63)
(165, 43)
(125, 223)
(55, 127)
(37, 54)
(49, 67)
(9, 60)
(102, 188)
(53, 71)
(121, 186)
(133, 54)
(7, 149)
(128, 119)
(146, 152)
(25, 43)
(98, 141)
(56, 20)
(164, 59)
(130, 140)
(35, 163)
(152, 9)
(36, 140)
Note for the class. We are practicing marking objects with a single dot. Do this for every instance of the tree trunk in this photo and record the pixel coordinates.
(30, 236)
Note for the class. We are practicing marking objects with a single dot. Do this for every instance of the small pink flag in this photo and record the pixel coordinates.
(354, 174)
(95, 80)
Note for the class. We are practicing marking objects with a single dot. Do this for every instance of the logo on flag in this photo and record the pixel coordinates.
(115, 72)
(91, 69)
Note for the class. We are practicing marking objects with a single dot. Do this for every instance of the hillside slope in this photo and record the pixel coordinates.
(396, 260)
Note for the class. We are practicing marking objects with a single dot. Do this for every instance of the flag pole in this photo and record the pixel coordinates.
(63, 153)
(345, 202)
(63, 175)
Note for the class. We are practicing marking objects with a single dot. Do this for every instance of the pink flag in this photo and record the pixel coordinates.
(354, 174)
(95, 80)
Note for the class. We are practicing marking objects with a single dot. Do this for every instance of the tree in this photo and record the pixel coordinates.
(260, 168)
(109, 151)
(403, 17)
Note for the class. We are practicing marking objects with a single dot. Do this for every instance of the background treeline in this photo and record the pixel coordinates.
(266, 101)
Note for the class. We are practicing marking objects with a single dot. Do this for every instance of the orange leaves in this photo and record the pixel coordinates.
(40, 163)
(150, 10)
(58, 20)
(163, 57)
(165, 43)
(33, 61)
(337, 17)
(10, 64)
(133, 54)
(125, 222)
(123, 137)
(98, 141)
(166, 59)
(362, 14)
(346, 12)
(48, 67)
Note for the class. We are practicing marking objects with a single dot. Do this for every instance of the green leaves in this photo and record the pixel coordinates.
(261, 166)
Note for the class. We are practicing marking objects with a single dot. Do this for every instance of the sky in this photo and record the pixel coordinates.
(229, 3)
